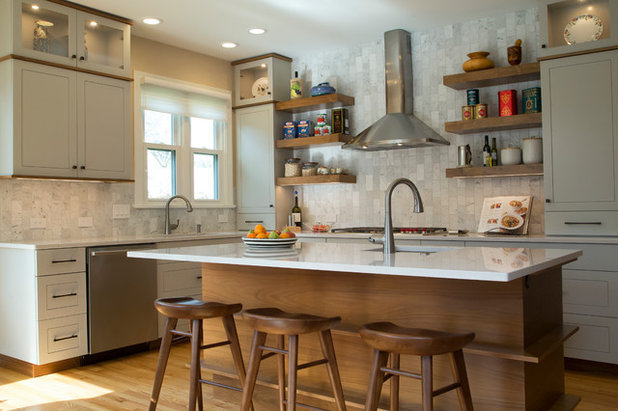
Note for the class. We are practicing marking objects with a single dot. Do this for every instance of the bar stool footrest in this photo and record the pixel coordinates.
(312, 363)
(220, 385)
(446, 388)
(400, 372)
(214, 345)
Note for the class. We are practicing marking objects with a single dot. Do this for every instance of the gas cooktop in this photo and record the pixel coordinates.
(404, 230)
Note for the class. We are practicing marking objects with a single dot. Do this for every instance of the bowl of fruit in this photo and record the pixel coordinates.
(259, 237)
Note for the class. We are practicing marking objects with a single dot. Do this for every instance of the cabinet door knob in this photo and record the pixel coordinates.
(74, 167)
(543, 46)
(82, 58)
(82, 167)
(271, 205)
(74, 56)
(548, 200)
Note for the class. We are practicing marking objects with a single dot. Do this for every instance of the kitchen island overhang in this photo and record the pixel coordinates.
(511, 299)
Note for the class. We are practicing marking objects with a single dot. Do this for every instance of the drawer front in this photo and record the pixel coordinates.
(595, 340)
(62, 338)
(180, 278)
(61, 295)
(246, 221)
(60, 260)
(590, 292)
(589, 223)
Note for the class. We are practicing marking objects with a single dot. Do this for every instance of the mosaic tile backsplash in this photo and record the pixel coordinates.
(357, 72)
(452, 203)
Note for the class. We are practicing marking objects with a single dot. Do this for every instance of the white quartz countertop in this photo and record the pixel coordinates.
(101, 241)
(469, 263)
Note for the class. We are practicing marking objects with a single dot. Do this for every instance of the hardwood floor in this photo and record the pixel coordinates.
(125, 384)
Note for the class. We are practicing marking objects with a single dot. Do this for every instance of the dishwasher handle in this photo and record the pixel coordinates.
(115, 252)
(121, 251)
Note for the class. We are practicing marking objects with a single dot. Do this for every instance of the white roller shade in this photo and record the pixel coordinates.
(213, 106)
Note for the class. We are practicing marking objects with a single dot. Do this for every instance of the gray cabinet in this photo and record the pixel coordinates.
(580, 134)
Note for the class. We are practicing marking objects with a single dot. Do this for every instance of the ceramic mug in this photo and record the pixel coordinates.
(510, 156)
(532, 150)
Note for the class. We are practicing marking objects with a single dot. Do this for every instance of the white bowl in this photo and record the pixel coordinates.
(510, 156)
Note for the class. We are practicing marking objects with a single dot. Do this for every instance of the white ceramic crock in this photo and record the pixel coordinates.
(532, 150)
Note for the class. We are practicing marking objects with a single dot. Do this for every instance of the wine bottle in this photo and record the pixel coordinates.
(297, 213)
(494, 152)
(486, 153)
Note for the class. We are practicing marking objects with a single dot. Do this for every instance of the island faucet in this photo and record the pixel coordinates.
(389, 239)
(170, 226)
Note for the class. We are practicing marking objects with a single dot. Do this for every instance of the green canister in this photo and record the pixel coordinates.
(531, 100)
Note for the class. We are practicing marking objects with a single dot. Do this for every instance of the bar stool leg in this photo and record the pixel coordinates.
(198, 384)
(427, 382)
(281, 374)
(195, 364)
(164, 353)
(255, 357)
(376, 380)
(292, 371)
(326, 340)
(395, 363)
(458, 367)
(232, 336)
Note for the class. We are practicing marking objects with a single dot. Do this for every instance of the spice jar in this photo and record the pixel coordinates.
(310, 169)
(292, 167)
(323, 170)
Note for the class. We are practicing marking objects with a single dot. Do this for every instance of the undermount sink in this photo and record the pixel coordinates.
(415, 249)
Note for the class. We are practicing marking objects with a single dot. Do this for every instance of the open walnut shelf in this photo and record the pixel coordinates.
(493, 77)
(323, 179)
(327, 101)
(486, 125)
(303, 142)
(519, 170)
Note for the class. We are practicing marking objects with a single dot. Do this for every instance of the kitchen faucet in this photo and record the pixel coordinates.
(389, 240)
(169, 226)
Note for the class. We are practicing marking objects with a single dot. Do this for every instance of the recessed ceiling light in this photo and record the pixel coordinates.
(153, 21)
(93, 23)
(35, 7)
(228, 45)
(257, 31)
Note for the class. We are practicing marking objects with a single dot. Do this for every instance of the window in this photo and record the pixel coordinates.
(182, 143)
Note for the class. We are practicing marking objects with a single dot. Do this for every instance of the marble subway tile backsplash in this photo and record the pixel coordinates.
(453, 203)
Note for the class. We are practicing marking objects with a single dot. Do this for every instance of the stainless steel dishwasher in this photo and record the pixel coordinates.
(121, 294)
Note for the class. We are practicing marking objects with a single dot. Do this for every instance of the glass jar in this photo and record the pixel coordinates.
(323, 170)
(310, 169)
(292, 167)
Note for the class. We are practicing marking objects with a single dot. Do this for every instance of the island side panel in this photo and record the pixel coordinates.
(493, 310)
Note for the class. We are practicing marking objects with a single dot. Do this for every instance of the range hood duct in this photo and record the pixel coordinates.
(399, 128)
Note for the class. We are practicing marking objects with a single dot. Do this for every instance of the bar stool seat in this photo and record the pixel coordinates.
(266, 321)
(388, 339)
(196, 311)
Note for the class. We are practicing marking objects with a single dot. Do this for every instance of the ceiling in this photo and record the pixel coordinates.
(293, 26)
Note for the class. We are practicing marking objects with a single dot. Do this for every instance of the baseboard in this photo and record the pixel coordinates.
(576, 364)
(34, 370)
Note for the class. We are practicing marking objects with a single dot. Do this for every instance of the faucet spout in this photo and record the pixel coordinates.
(171, 226)
(389, 238)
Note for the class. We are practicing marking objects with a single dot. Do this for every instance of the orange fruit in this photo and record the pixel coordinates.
(261, 235)
(285, 234)
(251, 235)
(259, 229)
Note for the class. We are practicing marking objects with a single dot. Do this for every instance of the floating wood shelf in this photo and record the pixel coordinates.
(325, 179)
(493, 77)
(301, 142)
(327, 101)
(486, 125)
(520, 170)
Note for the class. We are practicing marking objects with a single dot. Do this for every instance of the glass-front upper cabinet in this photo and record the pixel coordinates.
(56, 33)
(574, 26)
(261, 80)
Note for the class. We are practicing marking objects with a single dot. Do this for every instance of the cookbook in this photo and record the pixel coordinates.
(505, 215)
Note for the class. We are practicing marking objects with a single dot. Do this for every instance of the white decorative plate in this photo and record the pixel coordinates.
(582, 29)
(278, 253)
(260, 87)
(269, 243)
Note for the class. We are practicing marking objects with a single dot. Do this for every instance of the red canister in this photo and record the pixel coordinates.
(508, 102)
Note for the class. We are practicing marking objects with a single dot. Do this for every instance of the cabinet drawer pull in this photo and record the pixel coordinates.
(254, 221)
(583, 223)
(65, 338)
(72, 260)
(199, 277)
(65, 295)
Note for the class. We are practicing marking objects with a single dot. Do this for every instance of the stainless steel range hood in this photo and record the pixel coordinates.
(399, 128)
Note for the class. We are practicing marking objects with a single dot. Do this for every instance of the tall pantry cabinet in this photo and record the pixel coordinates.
(259, 83)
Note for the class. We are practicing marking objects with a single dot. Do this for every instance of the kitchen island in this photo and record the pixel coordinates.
(510, 297)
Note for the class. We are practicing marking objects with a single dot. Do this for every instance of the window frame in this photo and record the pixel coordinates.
(183, 150)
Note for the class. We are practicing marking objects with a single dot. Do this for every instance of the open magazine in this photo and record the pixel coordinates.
(505, 215)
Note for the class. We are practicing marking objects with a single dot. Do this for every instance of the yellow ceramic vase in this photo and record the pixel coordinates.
(478, 61)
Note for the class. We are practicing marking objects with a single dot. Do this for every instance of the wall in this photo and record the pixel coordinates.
(62, 203)
(452, 203)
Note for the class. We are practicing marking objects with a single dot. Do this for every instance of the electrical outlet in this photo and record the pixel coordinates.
(223, 218)
(84, 222)
(38, 222)
(120, 211)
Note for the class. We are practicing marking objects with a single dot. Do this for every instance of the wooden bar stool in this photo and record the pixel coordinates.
(274, 321)
(387, 338)
(196, 311)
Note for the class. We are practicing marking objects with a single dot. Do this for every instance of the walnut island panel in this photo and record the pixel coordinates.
(511, 299)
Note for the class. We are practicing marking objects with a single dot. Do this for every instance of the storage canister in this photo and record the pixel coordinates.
(508, 102)
(480, 111)
(473, 96)
(310, 169)
(292, 167)
(531, 100)
(532, 150)
(467, 112)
